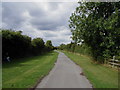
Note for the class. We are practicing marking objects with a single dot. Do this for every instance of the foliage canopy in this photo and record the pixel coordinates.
(97, 24)
(16, 45)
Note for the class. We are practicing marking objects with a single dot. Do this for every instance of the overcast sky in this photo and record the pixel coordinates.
(48, 20)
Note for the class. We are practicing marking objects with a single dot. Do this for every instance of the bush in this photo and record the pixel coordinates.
(16, 45)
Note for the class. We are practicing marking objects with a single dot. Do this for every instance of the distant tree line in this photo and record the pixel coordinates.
(76, 48)
(97, 25)
(16, 45)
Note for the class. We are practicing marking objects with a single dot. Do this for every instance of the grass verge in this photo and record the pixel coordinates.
(100, 76)
(26, 73)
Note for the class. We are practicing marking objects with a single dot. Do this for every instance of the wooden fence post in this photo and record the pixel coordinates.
(113, 61)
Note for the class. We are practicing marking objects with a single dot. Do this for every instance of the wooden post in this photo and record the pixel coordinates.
(113, 61)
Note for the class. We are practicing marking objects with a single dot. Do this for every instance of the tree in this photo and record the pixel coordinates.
(14, 43)
(49, 45)
(38, 45)
(98, 25)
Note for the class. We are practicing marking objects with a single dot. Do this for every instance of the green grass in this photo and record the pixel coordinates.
(100, 76)
(25, 73)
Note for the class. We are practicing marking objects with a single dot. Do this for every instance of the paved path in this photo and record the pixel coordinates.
(65, 74)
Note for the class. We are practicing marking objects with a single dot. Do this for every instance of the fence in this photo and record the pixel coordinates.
(114, 63)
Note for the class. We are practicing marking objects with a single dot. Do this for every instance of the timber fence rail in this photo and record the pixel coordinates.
(114, 63)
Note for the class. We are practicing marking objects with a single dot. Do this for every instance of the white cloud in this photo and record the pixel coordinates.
(46, 20)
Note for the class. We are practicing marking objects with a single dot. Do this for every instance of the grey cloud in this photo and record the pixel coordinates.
(36, 12)
(49, 35)
(34, 18)
(46, 24)
(11, 16)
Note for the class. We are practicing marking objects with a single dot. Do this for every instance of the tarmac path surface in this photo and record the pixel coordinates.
(65, 74)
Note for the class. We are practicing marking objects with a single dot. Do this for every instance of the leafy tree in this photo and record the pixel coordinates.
(98, 25)
(13, 43)
(72, 47)
(62, 46)
(49, 45)
(38, 45)
(38, 42)
(16, 45)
